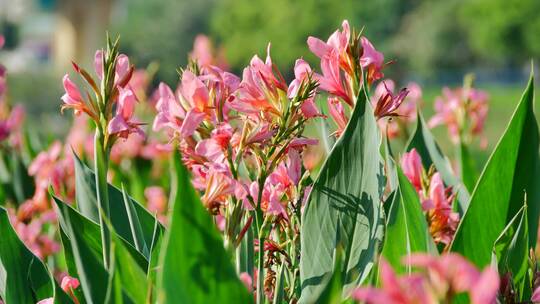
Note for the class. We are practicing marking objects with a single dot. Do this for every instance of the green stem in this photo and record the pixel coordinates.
(260, 260)
(101, 161)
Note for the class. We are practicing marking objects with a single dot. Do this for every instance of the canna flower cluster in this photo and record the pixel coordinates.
(242, 140)
(348, 62)
(463, 111)
(112, 107)
(223, 122)
(438, 279)
(436, 200)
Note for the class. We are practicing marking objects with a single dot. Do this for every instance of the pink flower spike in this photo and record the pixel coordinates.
(69, 283)
(411, 163)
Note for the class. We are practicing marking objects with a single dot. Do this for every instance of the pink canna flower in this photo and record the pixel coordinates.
(260, 91)
(202, 50)
(442, 219)
(157, 201)
(536, 295)
(388, 103)
(396, 290)
(69, 283)
(336, 111)
(450, 274)
(411, 163)
(247, 280)
(122, 123)
(463, 111)
(302, 71)
(371, 61)
(337, 42)
(2, 41)
(214, 147)
(123, 69)
(72, 98)
(195, 93)
(331, 79)
(170, 113)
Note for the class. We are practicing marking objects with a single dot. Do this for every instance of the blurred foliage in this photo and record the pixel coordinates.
(424, 36)
(162, 31)
(502, 30)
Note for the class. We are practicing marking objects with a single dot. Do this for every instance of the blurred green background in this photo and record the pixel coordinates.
(432, 42)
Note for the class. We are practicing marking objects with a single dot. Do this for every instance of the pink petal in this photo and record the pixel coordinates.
(191, 122)
(117, 125)
(71, 89)
(485, 290)
(98, 63)
(317, 46)
(194, 91)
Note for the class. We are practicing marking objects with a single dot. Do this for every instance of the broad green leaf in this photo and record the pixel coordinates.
(511, 171)
(195, 266)
(431, 154)
(467, 167)
(153, 265)
(344, 208)
(89, 233)
(391, 173)
(135, 225)
(86, 254)
(128, 272)
(512, 252)
(87, 204)
(23, 277)
(406, 228)
(22, 183)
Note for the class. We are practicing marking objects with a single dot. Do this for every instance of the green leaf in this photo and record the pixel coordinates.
(423, 141)
(406, 228)
(23, 277)
(153, 265)
(135, 225)
(132, 278)
(511, 171)
(85, 252)
(143, 224)
(512, 252)
(391, 173)
(279, 291)
(90, 233)
(344, 208)
(23, 184)
(467, 167)
(195, 266)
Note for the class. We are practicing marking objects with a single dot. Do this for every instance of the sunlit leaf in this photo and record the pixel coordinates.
(406, 226)
(344, 208)
(511, 171)
(195, 266)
